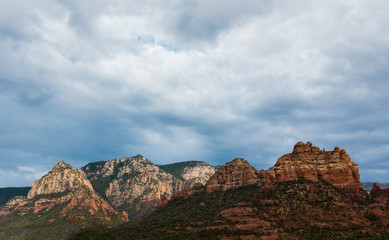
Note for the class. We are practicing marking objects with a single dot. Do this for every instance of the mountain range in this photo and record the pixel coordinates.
(309, 193)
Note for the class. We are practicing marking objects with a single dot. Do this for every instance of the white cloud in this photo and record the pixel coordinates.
(88, 81)
(22, 176)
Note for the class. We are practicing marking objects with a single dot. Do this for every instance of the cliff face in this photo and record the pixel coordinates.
(234, 174)
(65, 194)
(62, 177)
(190, 172)
(314, 164)
(306, 161)
(136, 185)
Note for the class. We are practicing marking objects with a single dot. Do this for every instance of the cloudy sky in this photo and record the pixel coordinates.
(86, 81)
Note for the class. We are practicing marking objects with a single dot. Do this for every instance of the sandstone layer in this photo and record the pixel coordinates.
(234, 174)
(310, 162)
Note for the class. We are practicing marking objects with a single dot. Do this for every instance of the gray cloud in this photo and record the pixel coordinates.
(175, 81)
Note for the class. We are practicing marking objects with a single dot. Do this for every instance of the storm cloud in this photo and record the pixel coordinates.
(86, 81)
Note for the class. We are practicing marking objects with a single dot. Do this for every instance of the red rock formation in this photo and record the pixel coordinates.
(67, 188)
(234, 174)
(378, 190)
(305, 161)
(314, 164)
(378, 209)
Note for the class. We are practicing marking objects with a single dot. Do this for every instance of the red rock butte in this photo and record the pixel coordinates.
(311, 163)
(234, 174)
(306, 161)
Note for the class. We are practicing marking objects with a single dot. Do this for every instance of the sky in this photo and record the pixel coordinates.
(85, 81)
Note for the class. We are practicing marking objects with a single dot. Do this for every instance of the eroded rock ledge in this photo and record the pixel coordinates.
(314, 164)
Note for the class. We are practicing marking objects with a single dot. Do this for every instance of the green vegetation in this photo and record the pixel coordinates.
(320, 233)
(37, 226)
(52, 195)
(94, 166)
(101, 183)
(8, 193)
(176, 169)
(172, 221)
(57, 222)
(301, 208)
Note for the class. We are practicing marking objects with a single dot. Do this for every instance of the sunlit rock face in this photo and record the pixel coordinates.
(67, 191)
(314, 164)
(234, 174)
(199, 173)
(137, 186)
(62, 177)
(306, 161)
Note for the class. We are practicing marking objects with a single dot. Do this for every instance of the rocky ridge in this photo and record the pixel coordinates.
(308, 194)
(63, 197)
(62, 177)
(234, 174)
(63, 187)
(306, 161)
(199, 172)
(134, 185)
(289, 200)
(137, 186)
(310, 162)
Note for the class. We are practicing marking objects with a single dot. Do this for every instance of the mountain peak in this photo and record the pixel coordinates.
(140, 158)
(62, 177)
(310, 162)
(65, 194)
(234, 174)
(239, 161)
(300, 148)
(60, 166)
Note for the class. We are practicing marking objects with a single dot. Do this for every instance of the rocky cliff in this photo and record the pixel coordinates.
(62, 177)
(234, 174)
(64, 186)
(137, 186)
(134, 184)
(306, 161)
(190, 172)
(311, 163)
(64, 195)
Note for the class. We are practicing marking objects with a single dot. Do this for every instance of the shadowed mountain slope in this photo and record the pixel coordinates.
(8, 193)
